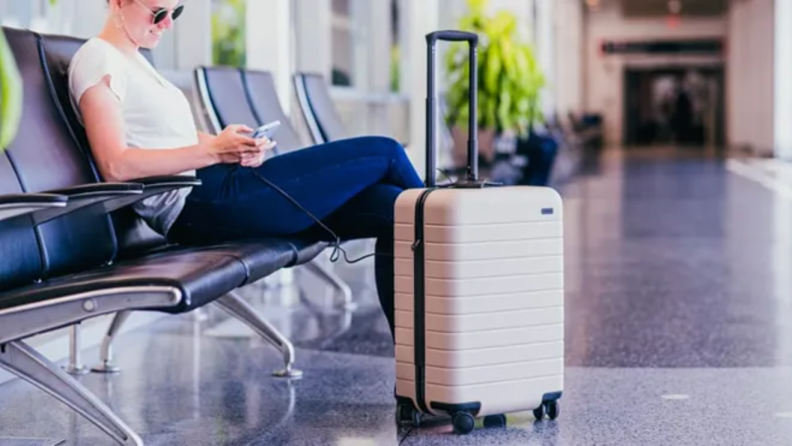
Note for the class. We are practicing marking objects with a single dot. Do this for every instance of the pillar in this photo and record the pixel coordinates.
(192, 36)
(419, 19)
(783, 73)
(313, 41)
(269, 42)
(567, 68)
(545, 49)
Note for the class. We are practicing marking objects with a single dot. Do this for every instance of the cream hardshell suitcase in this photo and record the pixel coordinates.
(479, 304)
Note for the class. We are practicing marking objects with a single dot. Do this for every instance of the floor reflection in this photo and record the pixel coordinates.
(676, 283)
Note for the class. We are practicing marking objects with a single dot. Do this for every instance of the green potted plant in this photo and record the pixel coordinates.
(10, 94)
(228, 33)
(510, 81)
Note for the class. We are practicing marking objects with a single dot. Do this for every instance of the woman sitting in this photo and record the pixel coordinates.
(140, 125)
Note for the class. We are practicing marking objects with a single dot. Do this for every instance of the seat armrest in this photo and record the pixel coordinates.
(168, 182)
(109, 197)
(16, 205)
(103, 190)
(98, 196)
(154, 186)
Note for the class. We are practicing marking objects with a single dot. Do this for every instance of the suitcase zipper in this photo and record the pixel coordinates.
(419, 298)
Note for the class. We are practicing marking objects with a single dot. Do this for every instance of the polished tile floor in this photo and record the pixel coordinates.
(678, 330)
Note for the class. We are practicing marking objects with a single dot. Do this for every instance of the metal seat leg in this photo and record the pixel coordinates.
(241, 310)
(106, 353)
(20, 359)
(75, 366)
(335, 281)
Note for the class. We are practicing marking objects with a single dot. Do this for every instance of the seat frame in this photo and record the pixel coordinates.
(41, 314)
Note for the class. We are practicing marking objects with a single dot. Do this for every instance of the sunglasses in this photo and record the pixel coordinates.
(161, 13)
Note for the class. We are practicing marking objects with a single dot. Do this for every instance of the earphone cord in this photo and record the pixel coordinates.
(334, 256)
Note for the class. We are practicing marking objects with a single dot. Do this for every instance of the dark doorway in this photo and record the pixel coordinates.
(674, 106)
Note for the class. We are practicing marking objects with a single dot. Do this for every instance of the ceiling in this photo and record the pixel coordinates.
(638, 8)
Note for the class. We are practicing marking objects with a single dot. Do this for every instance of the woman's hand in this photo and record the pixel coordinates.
(255, 160)
(234, 144)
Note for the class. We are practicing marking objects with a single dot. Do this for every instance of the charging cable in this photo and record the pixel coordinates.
(334, 256)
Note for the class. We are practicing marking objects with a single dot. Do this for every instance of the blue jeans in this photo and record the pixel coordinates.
(350, 185)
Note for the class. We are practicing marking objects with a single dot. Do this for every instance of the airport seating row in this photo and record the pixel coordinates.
(73, 249)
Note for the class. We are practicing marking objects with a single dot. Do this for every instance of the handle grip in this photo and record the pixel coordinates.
(431, 101)
(452, 36)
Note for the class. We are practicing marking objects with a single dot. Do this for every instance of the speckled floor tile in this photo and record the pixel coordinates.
(678, 332)
(6, 441)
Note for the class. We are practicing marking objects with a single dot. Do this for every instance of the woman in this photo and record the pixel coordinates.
(140, 125)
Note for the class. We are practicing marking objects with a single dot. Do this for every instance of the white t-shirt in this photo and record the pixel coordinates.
(156, 114)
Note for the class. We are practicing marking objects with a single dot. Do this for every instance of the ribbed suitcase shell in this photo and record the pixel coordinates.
(494, 297)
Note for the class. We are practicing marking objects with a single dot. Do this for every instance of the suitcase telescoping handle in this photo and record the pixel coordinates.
(431, 102)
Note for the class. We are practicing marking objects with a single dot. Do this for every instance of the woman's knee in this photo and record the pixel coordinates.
(382, 145)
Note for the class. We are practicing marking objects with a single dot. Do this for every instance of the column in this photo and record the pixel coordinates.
(783, 73)
(373, 40)
(193, 37)
(545, 50)
(313, 36)
(269, 43)
(736, 75)
(567, 68)
(88, 17)
(419, 19)
(763, 70)
(377, 47)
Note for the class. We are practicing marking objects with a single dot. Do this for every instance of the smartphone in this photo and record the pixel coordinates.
(267, 130)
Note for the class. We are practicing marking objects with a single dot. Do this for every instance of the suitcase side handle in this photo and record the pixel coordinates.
(431, 103)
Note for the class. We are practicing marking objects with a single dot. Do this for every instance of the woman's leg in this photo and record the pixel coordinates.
(236, 202)
(370, 214)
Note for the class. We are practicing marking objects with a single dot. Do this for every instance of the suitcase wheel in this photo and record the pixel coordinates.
(495, 421)
(463, 423)
(552, 410)
(551, 407)
(407, 416)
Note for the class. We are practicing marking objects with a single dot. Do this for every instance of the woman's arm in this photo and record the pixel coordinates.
(104, 126)
(204, 137)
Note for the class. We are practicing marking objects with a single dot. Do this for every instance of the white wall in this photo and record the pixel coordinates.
(783, 74)
(751, 76)
(604, 74)
(567, 76)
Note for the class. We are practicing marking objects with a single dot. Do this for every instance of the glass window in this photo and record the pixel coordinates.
(343, 43)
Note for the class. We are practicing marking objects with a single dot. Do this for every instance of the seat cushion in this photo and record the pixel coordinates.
(260, 257)
(200, 276)
(306, 250)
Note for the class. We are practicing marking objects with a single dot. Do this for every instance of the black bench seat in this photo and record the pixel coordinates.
(71, 249)
(196, 277)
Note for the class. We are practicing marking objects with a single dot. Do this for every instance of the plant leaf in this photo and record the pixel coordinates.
(510, 80)
(10, 95)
